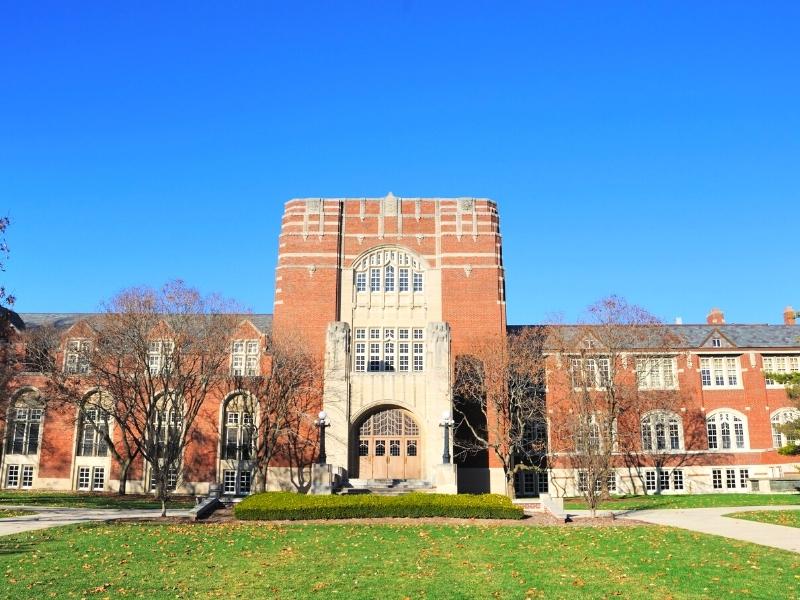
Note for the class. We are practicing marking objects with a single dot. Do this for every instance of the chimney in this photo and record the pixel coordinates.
(789, 316)
(715, 317)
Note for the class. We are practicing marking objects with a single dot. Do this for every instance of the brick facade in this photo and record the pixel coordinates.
(457, 247)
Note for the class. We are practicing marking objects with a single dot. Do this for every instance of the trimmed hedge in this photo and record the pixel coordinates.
(280, 506)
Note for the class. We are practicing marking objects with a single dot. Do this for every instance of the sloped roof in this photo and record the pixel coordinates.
(61, 321)
(692, 336)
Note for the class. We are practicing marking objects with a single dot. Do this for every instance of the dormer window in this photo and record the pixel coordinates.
(716, 342)
(245, 358)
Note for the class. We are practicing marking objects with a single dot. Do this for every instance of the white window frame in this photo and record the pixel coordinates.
(389, 350)
(245, 355)
(781, 417)
(720, 418)
(779, 363)
(657, 372)
(76, 359)
(592, 372)
(159, 355)
(389, 271)
(720, 371)
(650, 431)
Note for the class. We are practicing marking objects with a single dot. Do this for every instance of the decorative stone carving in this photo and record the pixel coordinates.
(468, 270)
(313, 207)
(336, 346)
(466, 204)
(311, 270)
(390, 205)
(439, 336)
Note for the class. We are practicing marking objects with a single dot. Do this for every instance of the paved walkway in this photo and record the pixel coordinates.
(46, 517)
(714, 522)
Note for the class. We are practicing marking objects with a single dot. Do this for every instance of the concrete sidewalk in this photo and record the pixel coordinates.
(714, 522)
(46, 517)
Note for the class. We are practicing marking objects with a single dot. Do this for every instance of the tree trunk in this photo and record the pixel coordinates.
(125, 467)
(163, 507)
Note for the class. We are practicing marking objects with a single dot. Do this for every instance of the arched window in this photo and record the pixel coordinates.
(726, 431)
(238, 429)
(389, 270)
(662, 431)
(93, 431)
(24, 423)
(780, 418)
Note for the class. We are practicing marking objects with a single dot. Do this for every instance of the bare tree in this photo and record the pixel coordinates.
(499, 400)
(596, 400)
(156, 356)
(279, 403)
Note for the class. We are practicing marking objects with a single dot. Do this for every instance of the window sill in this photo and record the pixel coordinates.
(721, 388)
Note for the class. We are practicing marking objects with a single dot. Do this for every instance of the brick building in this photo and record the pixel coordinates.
(390, 291)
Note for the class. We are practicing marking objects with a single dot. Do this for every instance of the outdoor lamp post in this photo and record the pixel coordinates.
(322, 422)
(446, 423)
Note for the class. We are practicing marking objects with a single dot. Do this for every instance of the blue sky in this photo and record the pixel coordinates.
(646, 149)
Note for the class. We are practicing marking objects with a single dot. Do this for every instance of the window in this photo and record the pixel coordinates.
(167, 426)
(719, 371)
(417, 282)
(661, 431)
(744, 478)
(99, 479)
(677, 479)
(93, 431)
(396, 269)
(245, 480)
(77, 356)
(663, 480)
(590, 372)
(84, 478)
(384, 354)
(779, 419)
(388, 279)
(361, 356)
(375, 280)
(229, 482)
(781, 364)
(24, 424)
(12, 476)
(716, 479)
(650, 481)
(716, 343)
(172, 480)
(726, 431)
(245, 358)
(583, 482)
(361, 282)
(419, 357)
(159, 356)
(403, 356)
(403, 280)
(239, 428)
(730, 478)
(656, 373)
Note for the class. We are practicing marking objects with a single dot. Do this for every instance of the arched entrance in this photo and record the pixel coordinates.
(389, 446)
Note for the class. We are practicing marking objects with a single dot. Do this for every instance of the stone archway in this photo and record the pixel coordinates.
(388, 445)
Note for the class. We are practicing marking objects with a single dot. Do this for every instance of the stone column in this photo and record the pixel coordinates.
(336, 396)
(439, 398)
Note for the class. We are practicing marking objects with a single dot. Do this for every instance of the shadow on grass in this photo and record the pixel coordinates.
(8, 547)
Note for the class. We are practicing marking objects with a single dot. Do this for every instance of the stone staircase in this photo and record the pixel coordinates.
(386, 487)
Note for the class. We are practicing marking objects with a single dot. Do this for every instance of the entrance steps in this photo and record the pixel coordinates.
(386, 487)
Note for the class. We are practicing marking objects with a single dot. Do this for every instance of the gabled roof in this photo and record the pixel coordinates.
(686, 337)
(63, 321)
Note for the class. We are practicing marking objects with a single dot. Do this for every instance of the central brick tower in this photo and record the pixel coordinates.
(390, 290)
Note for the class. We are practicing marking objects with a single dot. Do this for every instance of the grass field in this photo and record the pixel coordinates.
(86, 500)
(789, 518)
(7, 513)
(689, 501)
(388, 561)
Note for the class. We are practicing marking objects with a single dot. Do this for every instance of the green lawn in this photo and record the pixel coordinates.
(86, 500)
(789, 518)
(7, 513)
(389, 561)
(689, 501)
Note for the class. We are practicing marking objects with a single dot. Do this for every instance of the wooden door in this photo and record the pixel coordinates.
(389, 446)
